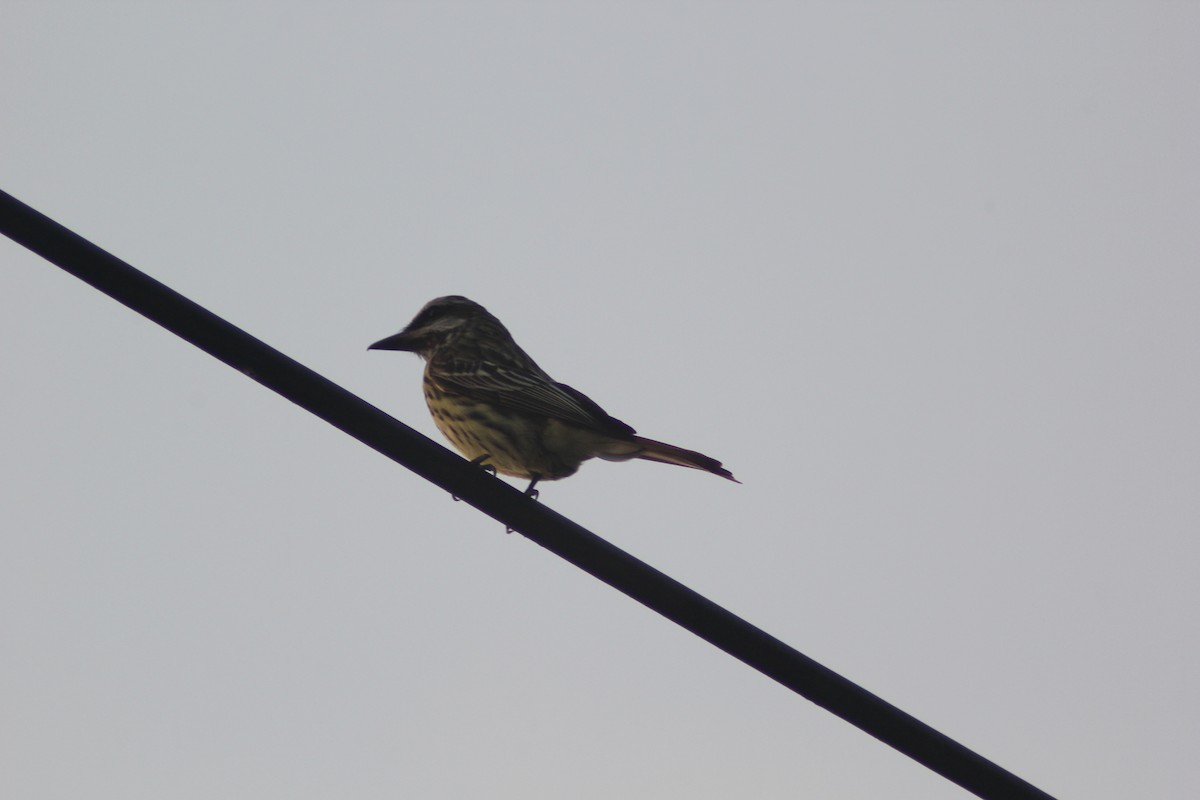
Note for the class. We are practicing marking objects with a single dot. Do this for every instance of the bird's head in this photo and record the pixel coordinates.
(440, 321)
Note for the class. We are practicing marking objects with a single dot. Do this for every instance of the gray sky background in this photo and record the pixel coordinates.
(924, 275)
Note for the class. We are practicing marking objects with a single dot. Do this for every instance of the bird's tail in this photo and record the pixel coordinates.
(670, 454)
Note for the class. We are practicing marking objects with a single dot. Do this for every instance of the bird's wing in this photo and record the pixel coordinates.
(523, 390)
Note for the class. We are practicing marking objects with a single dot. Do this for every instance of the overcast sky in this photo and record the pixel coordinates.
(923, 275)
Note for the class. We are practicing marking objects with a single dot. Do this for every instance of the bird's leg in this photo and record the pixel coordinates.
(479, 462)
(531, 492)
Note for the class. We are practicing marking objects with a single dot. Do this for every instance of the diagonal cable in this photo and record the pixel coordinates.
(497, 499)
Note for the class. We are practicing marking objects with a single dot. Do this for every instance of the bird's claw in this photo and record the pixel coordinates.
(530, 492)
(479, 462)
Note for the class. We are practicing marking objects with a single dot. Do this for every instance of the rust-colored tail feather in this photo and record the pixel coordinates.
(670, 454)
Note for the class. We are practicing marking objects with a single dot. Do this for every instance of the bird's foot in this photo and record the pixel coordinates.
(479, 462)
(531, 493)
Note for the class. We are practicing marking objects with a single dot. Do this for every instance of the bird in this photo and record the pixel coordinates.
(505, 413)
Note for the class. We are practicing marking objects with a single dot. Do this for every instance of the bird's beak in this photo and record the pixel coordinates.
(400, 341)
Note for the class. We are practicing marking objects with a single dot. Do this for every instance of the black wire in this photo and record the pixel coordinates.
(506, 504)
